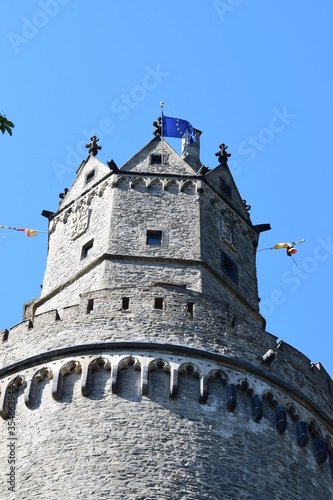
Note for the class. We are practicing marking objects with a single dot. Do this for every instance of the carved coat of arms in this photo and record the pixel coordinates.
(228, 229)
(80, 220)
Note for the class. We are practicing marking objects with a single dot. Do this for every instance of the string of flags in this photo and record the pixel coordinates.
(290, 248)
(31, 233)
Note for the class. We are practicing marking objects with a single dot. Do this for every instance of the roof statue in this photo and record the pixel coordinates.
(158, 126)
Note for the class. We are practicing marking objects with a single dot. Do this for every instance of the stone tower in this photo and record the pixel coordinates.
(143, 371)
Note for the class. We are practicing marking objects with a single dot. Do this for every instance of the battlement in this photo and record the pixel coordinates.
(242, 388)
(166, 313)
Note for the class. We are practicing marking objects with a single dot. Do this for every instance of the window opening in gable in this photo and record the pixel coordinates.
(90, 176)
(154, 238)
(156, 159)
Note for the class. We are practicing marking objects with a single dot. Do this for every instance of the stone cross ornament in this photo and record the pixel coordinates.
(222, 154)
(93, 147)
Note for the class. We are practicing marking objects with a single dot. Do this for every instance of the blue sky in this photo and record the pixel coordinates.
(254, 75)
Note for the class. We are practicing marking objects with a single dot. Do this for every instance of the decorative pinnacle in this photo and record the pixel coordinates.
(222, 154)
(93, 147)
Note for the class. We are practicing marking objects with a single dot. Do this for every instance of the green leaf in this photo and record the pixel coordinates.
(6, 125)
(8, 130)
(10, 124)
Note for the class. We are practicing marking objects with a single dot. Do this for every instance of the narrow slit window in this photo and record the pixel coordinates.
(158, 303)
(90, 176)
(90, 306)
(190, 306)
(154, 238)
(125, 304)
(87, 249)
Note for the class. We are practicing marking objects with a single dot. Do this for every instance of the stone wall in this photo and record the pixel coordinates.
(211, 327)
(192, 232)
(65, 256)
(141, 204)
(118, 433)
(113, 212)
(144, 371)
(222, 229)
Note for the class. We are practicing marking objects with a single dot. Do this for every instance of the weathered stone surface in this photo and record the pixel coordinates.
(141, 446)
(110, 396)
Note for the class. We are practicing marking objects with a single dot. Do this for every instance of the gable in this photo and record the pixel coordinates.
(149, 160)
(90, 171)
(222, 181)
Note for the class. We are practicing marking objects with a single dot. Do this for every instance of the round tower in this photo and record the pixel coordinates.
(144, 371)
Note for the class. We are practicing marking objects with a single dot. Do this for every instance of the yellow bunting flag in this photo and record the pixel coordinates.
(31, 233)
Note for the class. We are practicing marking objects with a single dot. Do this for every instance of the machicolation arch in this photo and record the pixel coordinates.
(260, 393)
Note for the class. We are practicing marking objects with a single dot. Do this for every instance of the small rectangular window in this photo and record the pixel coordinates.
(90, 306)
(125, 304)
(158, 303)
(190, 308)
(90, 176)
(156, 159)
(87, 249)
(154, 238)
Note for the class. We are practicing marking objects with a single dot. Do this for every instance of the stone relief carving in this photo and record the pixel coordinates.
(80, 219)
(229, 229)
